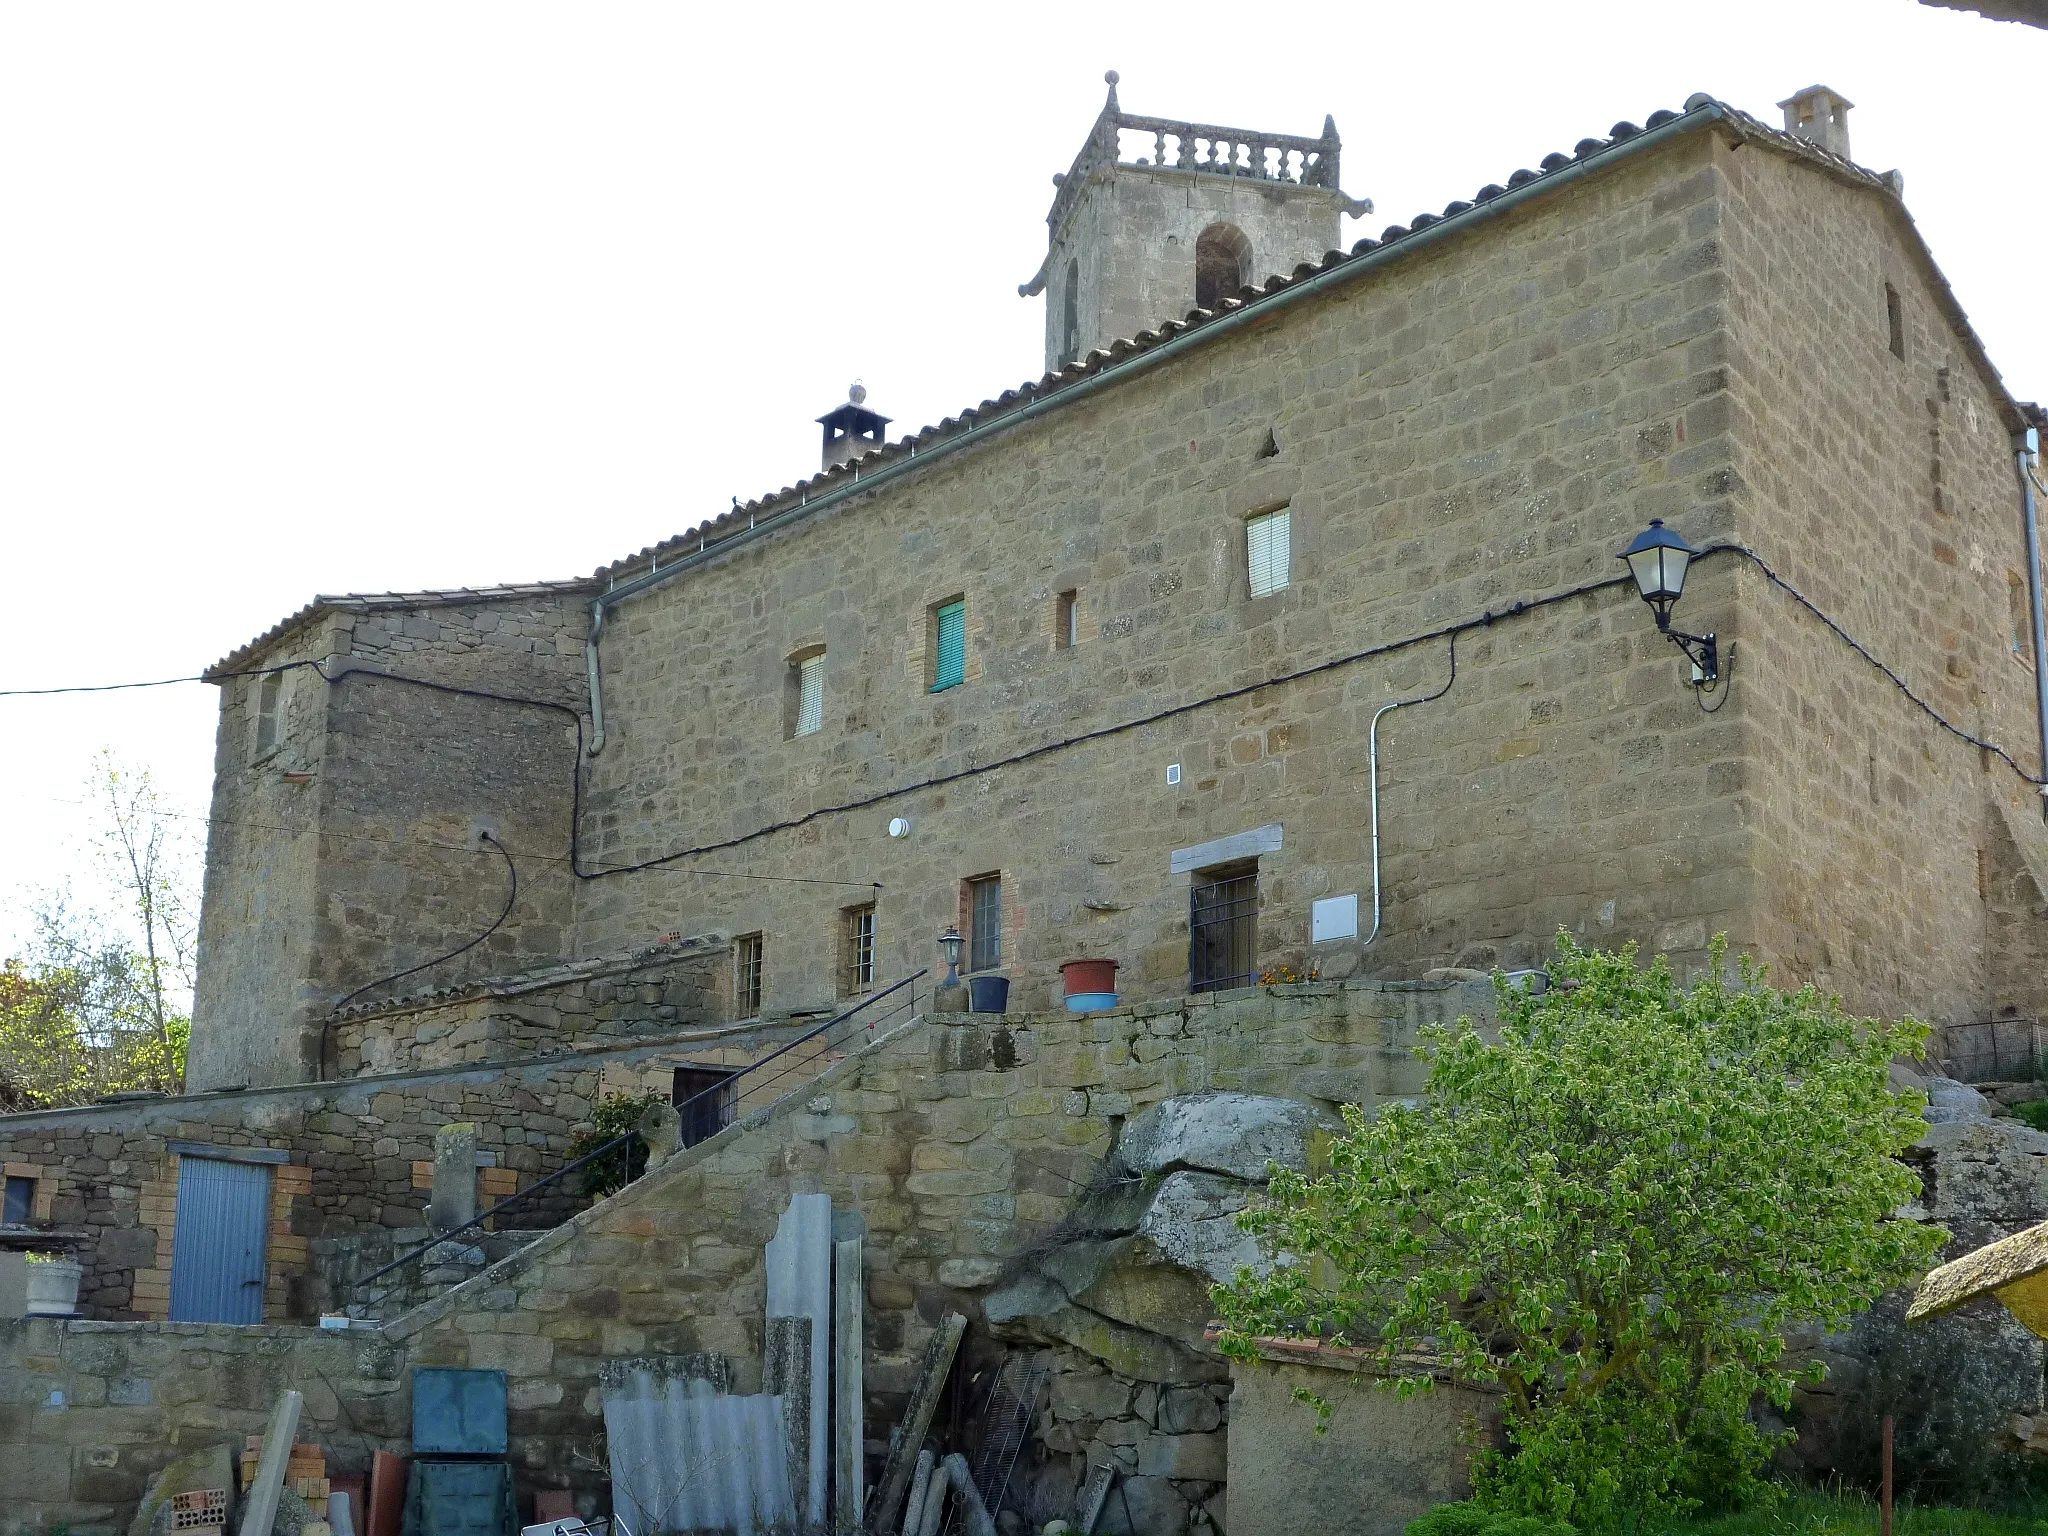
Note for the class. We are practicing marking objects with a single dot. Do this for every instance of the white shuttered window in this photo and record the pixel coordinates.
(810, 694)
(1269, 550)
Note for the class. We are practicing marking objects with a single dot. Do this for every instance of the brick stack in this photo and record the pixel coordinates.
(305, 1477)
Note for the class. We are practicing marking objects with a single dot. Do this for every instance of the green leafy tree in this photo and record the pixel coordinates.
(614, 1116)
(102, 1004)
(1612, 1213)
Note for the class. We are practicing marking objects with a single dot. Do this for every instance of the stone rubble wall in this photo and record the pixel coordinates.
(667, 987)
(963, 1143)
(354, 1191)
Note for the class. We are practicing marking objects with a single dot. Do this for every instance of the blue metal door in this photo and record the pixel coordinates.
(217, 1244)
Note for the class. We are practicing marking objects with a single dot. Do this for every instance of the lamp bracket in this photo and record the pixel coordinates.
(1701, 650)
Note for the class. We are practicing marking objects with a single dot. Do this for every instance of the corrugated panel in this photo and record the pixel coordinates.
(684, 1458)
(217, 1245)
(951, 666)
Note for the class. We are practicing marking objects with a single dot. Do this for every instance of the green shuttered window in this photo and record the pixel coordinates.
(949, 668)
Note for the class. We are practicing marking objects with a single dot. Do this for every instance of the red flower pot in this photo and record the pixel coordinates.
(1089, 976)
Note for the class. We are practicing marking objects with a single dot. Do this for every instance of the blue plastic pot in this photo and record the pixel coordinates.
(1090, 1002)
(988, 994)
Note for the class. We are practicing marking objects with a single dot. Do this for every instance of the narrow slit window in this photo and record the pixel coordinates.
(810, 695)
(1066, 621)
(949, 645)
(985, 923)
(2020, 607)
(857, 951)
(269, 713)
(746, 976)
(1269, 551)
(1895, 321)
(21, 1200)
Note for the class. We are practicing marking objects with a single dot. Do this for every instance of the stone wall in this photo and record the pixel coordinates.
(351, 1190)
(1883, 487)
(352, 852)
(89, 1412)
(1489, 419)
(962, 1144)
(667, 986)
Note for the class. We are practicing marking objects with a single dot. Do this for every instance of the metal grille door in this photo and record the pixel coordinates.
(1223, 932)
(217, 1244)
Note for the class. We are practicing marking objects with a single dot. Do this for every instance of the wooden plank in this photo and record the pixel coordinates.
(261, 1510)
(932, 1371)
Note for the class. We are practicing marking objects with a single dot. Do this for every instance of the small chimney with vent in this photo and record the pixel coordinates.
(1819, 116)
(852, 430)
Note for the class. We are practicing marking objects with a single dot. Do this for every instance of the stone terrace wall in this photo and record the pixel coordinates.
(89, 1412)
(355, 1188)
(611, 998)
(960, 1141)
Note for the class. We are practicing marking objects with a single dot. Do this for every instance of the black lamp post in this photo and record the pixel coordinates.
(1659, 559)
(949, 945)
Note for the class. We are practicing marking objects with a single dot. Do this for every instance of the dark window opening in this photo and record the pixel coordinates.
(1070, 326)
(21, 1200)
(1895, 319)
(1222, 256)
(704, 1098)
(1223, 928)
(985, 923)
(746, 976)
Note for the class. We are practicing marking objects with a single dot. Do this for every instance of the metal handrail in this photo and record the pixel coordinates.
(619, 1141)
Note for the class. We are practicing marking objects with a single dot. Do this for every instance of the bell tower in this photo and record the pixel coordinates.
(1157, 217)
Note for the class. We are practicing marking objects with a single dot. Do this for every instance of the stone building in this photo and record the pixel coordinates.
(1276, 631)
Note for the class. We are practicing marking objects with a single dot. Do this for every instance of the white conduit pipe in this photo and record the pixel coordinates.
(1372, 749)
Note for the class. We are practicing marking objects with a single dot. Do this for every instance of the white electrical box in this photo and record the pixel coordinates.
(1333, 917)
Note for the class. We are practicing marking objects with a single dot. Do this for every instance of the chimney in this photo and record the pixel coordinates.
(852, 430)
(1820, 117)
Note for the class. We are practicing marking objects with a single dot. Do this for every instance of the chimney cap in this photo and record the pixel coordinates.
(1819, 115)
(1811, 91)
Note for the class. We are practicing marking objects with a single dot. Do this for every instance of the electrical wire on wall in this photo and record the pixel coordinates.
(511, 900)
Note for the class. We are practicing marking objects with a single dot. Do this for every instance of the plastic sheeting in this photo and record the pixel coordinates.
(685, 1458)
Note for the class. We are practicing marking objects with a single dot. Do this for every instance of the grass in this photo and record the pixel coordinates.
(1810, 1512)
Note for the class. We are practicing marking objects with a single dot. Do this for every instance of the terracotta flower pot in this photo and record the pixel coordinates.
(1089, 976)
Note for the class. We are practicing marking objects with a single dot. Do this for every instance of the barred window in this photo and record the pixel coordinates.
(857, 950)
(1223, 928)
(985, 923)
(746, 976)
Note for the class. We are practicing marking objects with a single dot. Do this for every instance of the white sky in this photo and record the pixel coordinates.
(300, 299)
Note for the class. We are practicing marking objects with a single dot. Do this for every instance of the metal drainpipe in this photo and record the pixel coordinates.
(2025, 451)
(597, 610)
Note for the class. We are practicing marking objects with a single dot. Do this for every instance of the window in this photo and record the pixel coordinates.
(746, 976)
(985, 923)
(21, 1200)
(1895, 321)
(1070, 328)
(703, 1097)
(1268, 543)
(857, 950)
(807, 684)
(1223, 259)
(269, 713)
(1223, 928)
(949, 645)
(1066, 621)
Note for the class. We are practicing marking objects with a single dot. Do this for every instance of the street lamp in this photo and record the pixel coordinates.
(1658, 560)
(949, 945)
